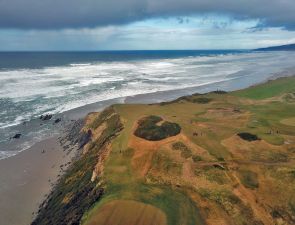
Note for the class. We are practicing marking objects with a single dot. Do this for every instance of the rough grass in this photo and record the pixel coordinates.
(197, 158)
(240, 213)
(149, 130)
(185, 151)
(249, 179)
(212, 174)
(202, 100)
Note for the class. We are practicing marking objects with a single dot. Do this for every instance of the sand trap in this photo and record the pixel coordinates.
(289, 121)
(127, 212)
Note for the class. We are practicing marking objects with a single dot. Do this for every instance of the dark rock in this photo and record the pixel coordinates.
(57, 120)
(46, 117)
(17, 136)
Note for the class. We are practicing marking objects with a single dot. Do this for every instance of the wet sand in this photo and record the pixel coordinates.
(26, 178)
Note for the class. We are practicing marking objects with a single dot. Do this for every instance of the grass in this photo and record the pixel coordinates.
(202, 100)
(212, 174)
(185, 151)
(197, 158)
(269, 89)
(249, 179)
(149, 129)
(166, 184)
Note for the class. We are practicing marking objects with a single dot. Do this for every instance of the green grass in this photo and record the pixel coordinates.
(269, 89)
(123, 185)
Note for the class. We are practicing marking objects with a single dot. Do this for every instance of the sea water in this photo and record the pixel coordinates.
(38, 83)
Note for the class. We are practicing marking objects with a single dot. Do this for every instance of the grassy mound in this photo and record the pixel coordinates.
(248, 136)
(149, 130)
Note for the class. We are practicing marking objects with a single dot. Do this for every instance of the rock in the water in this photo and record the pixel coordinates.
(17, 136)
(46, 117)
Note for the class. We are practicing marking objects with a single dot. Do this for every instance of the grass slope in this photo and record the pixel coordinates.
(269, 89)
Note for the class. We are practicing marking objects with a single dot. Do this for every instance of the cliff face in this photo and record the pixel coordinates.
(81, 186)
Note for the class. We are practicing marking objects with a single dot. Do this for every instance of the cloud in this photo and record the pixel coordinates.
(58, 14)
(197, 33)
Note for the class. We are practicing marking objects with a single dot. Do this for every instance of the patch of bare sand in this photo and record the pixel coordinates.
(26, 178)
(123, 212)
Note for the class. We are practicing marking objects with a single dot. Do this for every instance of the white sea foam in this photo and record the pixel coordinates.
(57, 89)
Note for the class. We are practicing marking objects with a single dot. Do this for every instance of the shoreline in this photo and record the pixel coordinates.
(28, 177)
(148, 98)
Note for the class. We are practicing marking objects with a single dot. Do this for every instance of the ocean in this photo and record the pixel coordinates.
(38, 83)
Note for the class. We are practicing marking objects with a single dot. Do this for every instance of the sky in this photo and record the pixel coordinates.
(77, 25)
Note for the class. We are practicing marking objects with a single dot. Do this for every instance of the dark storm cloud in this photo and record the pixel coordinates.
(55, 14)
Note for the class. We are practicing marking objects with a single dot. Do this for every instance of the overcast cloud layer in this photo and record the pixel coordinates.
(57, 14)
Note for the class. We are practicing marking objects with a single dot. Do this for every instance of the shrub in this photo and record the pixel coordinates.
(202, 100)
(248, 136)
(149, 130)
(197, 158)
(185, 151)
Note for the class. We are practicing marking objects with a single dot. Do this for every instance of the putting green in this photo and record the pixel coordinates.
(123, 212)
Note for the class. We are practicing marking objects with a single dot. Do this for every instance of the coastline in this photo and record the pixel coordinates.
(32, 132)
(28, 177)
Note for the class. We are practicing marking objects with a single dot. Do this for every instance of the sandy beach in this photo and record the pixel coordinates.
(26, 178)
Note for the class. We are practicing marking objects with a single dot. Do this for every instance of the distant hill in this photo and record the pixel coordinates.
(290, 47)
